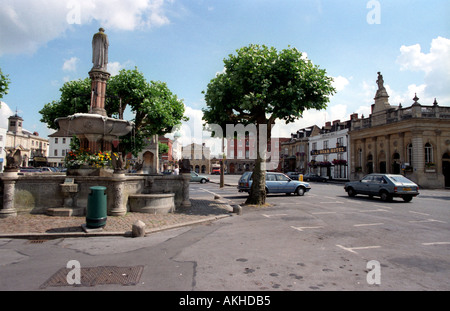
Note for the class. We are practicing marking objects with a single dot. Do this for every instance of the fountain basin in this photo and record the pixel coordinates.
(162, 203)
(86, 123)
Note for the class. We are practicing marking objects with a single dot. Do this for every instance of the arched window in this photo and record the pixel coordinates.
(428, 153)
(409, 153)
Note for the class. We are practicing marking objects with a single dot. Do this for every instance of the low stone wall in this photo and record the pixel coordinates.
(38, 193)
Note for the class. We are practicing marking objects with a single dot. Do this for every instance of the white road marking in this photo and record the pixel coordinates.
(427, 220)
(419, 213)
(374, 210)
(334, 202)
(362, 225)
(323, 213)
(437, 243)
(383, 206)
(301, 228)
(203, 189)
(351, 249)
(274, 215)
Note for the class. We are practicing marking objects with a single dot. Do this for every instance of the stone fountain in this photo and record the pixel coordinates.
(95, 130)
(61, 195)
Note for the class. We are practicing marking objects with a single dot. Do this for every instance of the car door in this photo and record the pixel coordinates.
(194, 176)
(271, 183)
(284, 183)
(374, 185)
(363, 186)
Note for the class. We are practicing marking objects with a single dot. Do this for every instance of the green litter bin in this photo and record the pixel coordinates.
(96, 209)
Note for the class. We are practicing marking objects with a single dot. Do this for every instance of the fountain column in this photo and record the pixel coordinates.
(98, 91)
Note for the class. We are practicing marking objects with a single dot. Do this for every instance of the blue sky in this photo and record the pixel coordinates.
(183, 43)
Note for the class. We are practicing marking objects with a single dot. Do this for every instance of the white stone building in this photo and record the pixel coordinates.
(2, 148)
(329, 151)
(59, 145)
(33, 148)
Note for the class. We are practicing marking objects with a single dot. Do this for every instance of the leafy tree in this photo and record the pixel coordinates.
(157, 110)
(261, 85)
(4, 84)
(75, 98)
(162, 148)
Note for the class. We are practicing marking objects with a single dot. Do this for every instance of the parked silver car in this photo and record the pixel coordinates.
(275, 183)
(386, 186)
(198, 178)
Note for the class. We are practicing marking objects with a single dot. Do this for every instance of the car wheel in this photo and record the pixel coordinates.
(407, 198)
(351, 192)
(203, 181)
(385, 196)
(300, 191)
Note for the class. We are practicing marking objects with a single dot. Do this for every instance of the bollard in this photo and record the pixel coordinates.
(237, 209)
(97, 208)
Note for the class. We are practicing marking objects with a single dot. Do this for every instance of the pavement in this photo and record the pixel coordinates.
(37, 227)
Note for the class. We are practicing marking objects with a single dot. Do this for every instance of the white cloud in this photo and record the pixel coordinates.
(70, 64)
(339, 83)
(115, 67)
(5, 113)
(435, 65)
(26, 25)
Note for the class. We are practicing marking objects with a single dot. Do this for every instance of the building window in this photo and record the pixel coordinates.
(325, 144)
(340, 142)
(64, 141)
(314, 146)
(56, 140)
(63, 153)
(428, 153)
(55, 153)
(409, 153)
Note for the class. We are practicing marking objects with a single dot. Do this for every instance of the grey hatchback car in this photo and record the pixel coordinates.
(386, 186)
(275, 183)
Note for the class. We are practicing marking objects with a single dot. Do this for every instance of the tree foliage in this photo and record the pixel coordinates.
(156, 109)
(259, 86)
(4, 84)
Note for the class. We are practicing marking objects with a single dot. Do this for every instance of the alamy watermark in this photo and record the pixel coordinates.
(74, 275)
(74, 14)
(374, 15)
(374, 274)
(236, 141)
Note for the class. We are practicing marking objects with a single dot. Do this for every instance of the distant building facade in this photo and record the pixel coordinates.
(34, 149)
(295, 151)
(2, 148)
(329, 151)
(59, 146)
(414, 141)
(199, 157)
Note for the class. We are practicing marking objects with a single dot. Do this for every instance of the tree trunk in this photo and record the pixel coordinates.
(257, 195)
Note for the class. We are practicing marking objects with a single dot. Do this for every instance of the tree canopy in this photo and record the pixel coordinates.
(4, 84)
(156, 109)
(259, 86)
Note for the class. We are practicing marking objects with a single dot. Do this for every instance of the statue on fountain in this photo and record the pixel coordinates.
(100, 44)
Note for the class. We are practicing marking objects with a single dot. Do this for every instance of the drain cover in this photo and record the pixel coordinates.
(125, 276)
